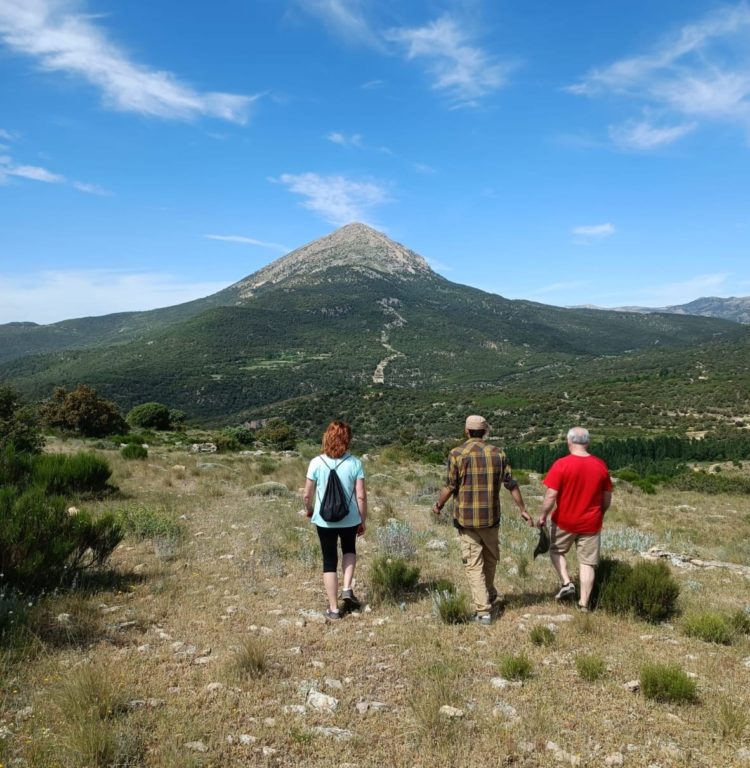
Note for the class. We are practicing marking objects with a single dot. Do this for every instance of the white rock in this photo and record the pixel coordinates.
(502, 709)
(196, 746)
(746, 662)
(294, 709)
(317, 664)
(436, 545)
(246, 739)
(24, 714)
(269, 722)
(213, 687)
(203, 660)
(268, 751)
(633, 686)
(64, 618)
(321, 701)
(743, 754)
(616, 758)
(451, 712)
(331, 682)
(499, 682)
(296, 650)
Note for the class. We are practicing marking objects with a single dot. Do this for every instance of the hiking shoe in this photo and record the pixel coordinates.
(582, 608)
(350, 599)
(566, 591)
(485, 619)
(332, 615)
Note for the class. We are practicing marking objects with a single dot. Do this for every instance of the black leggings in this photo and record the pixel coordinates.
(328, 539)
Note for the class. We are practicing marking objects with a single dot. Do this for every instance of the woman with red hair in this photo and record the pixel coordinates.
(336, 458)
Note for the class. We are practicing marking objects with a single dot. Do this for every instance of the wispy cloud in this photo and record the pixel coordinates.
(346, 18)
(701, 72)
(248, 241)
(344, 140)
(49, 297)
(336, 199)
(459, 68)
(5, 135)
(590, 233)
(36, 173)
(64, 40)
(561, 287)
(642, 135)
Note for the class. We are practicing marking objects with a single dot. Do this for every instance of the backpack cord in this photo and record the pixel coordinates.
(333, 469)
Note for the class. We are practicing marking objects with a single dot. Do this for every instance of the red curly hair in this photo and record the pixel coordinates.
(336, 439)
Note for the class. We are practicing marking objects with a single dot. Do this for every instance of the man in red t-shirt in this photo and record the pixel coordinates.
(579, 490)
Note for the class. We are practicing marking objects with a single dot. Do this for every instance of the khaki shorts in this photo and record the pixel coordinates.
(587, 544)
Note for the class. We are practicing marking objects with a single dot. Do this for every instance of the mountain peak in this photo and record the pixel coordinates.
(355, 246)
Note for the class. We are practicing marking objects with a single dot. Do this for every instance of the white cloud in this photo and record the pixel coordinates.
(33, 172)
(91, 189)
(589, 233)
(336, 199)
(700, 72)
(49, 297)
(462, 70)
(64, 40)
(352, 140)
(561, 287)
(5, 135)
(642, 135)
(248, 241)
(346, 18)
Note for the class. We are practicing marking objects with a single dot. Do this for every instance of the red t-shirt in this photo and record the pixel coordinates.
(580, 482)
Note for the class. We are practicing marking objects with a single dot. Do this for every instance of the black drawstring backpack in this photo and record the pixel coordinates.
(334, 506)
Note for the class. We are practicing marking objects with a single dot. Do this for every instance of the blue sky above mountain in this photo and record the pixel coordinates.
(570, 153)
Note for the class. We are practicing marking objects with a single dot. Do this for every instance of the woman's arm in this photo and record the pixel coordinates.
(308, 496)
(361, 492)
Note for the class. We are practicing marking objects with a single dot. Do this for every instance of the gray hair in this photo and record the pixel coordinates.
(578, 436)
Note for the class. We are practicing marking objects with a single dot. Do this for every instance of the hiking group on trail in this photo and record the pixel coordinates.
(578, 494)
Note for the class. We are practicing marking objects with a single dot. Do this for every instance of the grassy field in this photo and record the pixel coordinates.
(206, 646)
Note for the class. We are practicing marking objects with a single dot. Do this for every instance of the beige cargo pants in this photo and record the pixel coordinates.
(479, 552)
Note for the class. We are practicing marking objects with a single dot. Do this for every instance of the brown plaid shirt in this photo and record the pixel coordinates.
(475, 472)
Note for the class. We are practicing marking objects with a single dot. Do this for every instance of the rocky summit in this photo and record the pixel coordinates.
(354, 247)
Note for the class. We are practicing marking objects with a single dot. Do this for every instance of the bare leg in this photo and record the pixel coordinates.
(348, 561)
(586, 574)
(561, 566)
(331, 583)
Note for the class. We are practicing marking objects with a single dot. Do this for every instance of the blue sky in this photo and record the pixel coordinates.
(580, 152)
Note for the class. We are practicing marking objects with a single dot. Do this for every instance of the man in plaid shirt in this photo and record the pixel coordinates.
(476, 470)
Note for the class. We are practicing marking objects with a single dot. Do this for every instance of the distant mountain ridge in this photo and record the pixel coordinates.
(734, 308)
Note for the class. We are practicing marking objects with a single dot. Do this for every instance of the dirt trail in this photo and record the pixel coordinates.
(378, 377)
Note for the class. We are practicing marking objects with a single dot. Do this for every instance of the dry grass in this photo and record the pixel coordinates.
(227, 609)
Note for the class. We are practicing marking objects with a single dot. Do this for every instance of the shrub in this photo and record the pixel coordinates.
(391, 579)
(451, 607)
(68, 474)
(396, 539)
(19, 427)
(516, 667)
(590, 667)
(667, 683)
(133, 451)
(741, 622)
(41, 544)
(241, 435)
(279, 435)
(148, 523)
(646, 590)
(82, 411)
(150, 416)
(710, 627)
(540, 635)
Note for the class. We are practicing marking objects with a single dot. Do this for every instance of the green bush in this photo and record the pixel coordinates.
(668, 683)
(741, 622)
(590, 667)
(19, 427)
(133, 451)
(148, 522)
(279, 435)
(69, 474)
(82, 411)
(451, 607)
(646, 590)
(516, 667)
(41, 544)
(150, 416)
(391, 579)
(712, 483)
(134, 438)
(710, 627)
(540, 635)
(241, 435)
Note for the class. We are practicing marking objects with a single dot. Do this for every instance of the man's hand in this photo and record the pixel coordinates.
(436, 509)
(526, 517)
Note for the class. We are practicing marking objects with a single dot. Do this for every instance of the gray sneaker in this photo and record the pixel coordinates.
(566, 591)
(485, 619)
(332, 615)
(351, 603)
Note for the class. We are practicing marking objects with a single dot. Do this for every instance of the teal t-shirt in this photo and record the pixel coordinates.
(349, 469)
